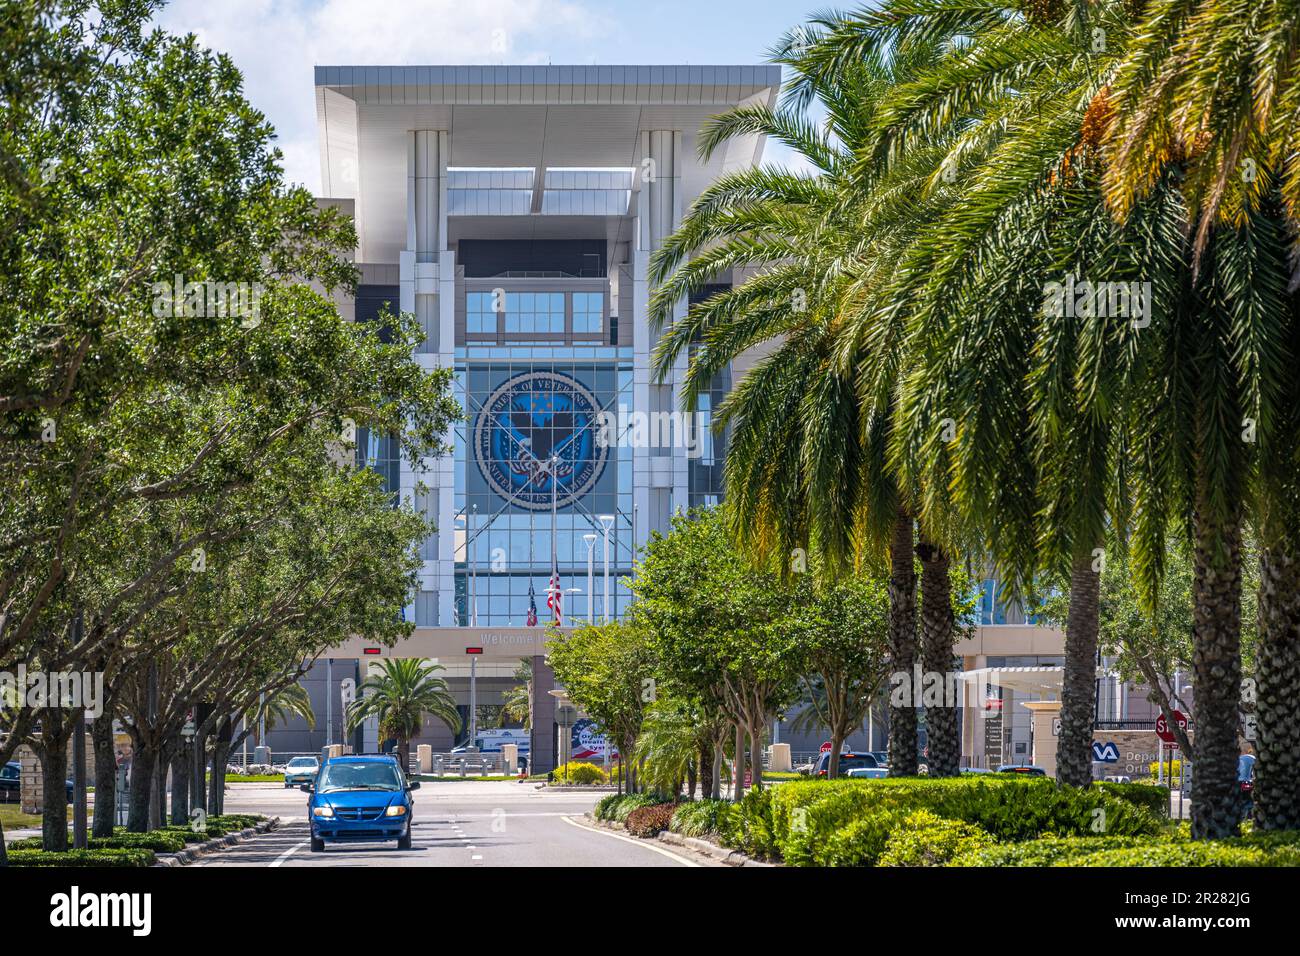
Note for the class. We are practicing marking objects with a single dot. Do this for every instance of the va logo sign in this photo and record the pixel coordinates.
(1105, 753)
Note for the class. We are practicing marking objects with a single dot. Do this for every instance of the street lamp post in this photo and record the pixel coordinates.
(591, 588)
(608, 522)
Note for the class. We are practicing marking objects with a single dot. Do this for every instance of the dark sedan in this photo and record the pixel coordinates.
(9, 782)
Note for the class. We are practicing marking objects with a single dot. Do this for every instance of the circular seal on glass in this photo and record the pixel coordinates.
(525, 421)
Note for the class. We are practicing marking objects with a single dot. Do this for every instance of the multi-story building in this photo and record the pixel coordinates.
(513, 210)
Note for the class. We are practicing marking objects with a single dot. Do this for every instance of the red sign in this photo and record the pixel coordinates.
(1162, 727)
(824, 747)
(473, 650)
(370, 650)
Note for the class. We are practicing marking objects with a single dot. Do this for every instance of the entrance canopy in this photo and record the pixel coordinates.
(1025, 680)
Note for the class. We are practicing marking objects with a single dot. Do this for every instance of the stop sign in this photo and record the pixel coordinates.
(1162, 726)
(824, 747)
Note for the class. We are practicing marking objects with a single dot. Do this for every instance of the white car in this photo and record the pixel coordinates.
(868, 773)
(300, 770)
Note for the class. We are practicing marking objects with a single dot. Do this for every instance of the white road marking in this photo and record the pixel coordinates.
(647, 844)
(287, 853)
(476, 857)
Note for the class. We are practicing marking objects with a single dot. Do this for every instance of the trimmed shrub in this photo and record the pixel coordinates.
(702, 818)
(748, 826)
(923, 839)
(83, 858)
(616, 807)
(1048, 851)
(650, 821)
(1148, 796)
(158, 841)
(584, 774)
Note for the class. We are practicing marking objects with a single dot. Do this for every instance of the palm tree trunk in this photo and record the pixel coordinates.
(706, 772)
(1079, 682)
(1277, 673)
(936, 659)
(902, 644)
(1216, 674)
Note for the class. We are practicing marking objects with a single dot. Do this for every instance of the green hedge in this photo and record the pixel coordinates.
(924, 839)
(850, 822)
(617, 806)
(1147, 796)
(82, 858)
(159, 841)
(701, 818)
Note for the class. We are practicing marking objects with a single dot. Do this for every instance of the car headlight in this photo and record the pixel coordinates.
(322, 811)
(396, 810)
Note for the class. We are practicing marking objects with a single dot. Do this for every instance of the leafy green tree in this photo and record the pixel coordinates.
(843, 636)
(720, 627)
(398, 696)
(608, 670)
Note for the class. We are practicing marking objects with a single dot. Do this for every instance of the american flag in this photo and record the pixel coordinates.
(553, 594)
(532, 607)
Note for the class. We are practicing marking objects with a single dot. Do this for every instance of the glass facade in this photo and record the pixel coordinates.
(533, 474)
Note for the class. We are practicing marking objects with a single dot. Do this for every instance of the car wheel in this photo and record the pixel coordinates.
(404, 841)
(317, 845)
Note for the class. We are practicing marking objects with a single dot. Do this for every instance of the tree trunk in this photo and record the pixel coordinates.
(1216, 674)
(220, 754)
(101, 738)
(833, 762)
(53, 754)
(404, 752)
(756, 755)
(738, 765)
(902, 645)
(691, 779)
(706, 773)
(718, 759)
(143, 759)
(936, 659)
(158, 790)
(1277, 683)
(199, 756)
(181, 773)
(1079, 682)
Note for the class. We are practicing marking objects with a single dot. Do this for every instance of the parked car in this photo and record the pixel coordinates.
(975, 770)
(848, 761)
(10, 785)
(300, 770)
(868, 773)
(882, 757)
(362, 798)
(1022, 769)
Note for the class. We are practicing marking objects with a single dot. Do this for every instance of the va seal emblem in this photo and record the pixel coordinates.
(528, 419)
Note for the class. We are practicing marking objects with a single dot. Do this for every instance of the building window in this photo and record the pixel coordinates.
(588, 312)
(535, 313)
(479, 316)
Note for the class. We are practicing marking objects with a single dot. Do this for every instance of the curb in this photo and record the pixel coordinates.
(704, 847)
(191, 853)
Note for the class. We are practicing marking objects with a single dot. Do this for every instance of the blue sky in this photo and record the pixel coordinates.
(277, 42)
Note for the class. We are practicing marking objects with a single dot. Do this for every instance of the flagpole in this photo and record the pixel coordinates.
(555, 567)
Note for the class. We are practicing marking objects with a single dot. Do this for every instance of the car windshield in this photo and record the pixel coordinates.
(359, 776)
(302, 762)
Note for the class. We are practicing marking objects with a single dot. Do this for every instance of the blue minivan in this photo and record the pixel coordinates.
(361, 798)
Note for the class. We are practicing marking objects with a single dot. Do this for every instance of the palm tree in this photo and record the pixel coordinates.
(399, 695)
(809, 425)
(1150, 416)
(1211, 88)
(518, 704)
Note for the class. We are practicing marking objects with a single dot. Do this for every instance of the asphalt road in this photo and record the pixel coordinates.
(468, 824)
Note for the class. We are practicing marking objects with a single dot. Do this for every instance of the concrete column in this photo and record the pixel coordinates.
(659, 487)
(541, 739)
(1046, 713)
(424, 758)
(779, 758)
(510, 759)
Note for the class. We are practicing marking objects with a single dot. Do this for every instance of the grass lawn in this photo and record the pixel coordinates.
(13, 818)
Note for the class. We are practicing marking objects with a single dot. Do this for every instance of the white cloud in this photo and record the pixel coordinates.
(276, 43)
